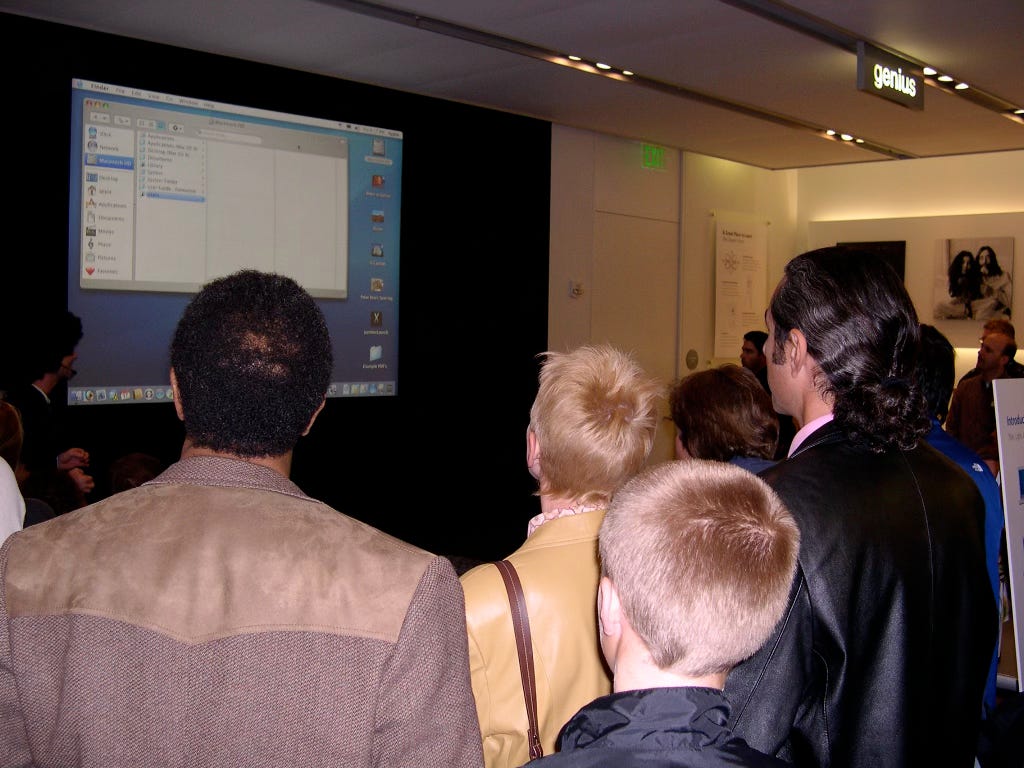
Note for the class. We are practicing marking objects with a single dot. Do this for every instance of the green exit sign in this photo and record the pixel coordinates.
(654, 156)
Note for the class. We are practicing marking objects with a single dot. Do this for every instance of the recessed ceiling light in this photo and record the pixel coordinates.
(574, 58)
(860, 141)
(945, 79)
(1018, 111)
(627, 73)
(928, 71)
(601, 65)
(961, 86)
(830, 132)
(846, 137)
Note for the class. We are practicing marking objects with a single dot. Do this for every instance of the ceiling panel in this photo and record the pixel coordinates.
(709, 47)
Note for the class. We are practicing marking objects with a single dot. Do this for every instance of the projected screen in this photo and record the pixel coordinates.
(168, 192)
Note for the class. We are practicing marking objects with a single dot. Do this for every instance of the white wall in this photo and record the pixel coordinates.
(641, 241)
(615, 231)
(952, 186)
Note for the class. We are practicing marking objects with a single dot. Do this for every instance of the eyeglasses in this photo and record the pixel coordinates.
(67, 371)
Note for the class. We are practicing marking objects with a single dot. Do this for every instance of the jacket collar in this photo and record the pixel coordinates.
(228, 473)
(662, 718)
(829, 432)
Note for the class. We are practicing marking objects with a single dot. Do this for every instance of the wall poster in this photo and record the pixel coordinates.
(974, 279)
(741, 279)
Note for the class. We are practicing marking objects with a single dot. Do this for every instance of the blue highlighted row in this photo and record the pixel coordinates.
(110, 161)
(175, 196)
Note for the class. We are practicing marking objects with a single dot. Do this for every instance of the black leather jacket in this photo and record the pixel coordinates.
(881, 657)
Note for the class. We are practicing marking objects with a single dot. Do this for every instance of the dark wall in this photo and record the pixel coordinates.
(443, 463)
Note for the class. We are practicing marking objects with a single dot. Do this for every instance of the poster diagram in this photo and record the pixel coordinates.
(741, 276)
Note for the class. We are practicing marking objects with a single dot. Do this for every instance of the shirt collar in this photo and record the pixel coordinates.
(806, 430)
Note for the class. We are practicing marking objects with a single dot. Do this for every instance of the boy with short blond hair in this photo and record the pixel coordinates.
(697, 560)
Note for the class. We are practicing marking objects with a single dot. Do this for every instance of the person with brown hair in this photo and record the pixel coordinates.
(697, 558)
(1014, 370)
(592, 427)
(724, 414)
(972, 411)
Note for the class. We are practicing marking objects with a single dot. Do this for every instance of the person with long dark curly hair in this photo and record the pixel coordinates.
(995, 295)
(964, 287)
(892, 584)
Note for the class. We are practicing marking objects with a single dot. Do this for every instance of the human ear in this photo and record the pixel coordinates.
(532, 453)
(177, 397)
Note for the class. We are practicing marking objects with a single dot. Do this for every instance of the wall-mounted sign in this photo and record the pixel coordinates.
(889, 77)
(653, 157)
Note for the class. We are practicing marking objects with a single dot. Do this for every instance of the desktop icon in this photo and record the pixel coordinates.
(378, 147)
(377, 180)
(377, 251)
(377, 216)
(376, 352)
(376, 284)
(376, 318)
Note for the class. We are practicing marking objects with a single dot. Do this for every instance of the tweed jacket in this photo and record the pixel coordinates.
(882, 654)
(217, 616)
(558, 566)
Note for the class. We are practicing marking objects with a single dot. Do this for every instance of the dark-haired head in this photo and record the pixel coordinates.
(252, 360)
(862, 331)
(936, 370)
(45, 345)
(987, 261)
(757, 338)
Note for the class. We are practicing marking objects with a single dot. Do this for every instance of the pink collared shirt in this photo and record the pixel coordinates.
(807, 429)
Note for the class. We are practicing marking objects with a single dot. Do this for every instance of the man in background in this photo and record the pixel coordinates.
(217, 615)
(752, 357)
(54, 470)
(882, 658)
(972, 411)
(1014, 370)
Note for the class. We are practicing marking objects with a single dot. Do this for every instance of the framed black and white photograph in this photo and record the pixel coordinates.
(974, 279)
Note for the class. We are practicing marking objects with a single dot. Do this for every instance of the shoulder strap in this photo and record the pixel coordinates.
(524, 647)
